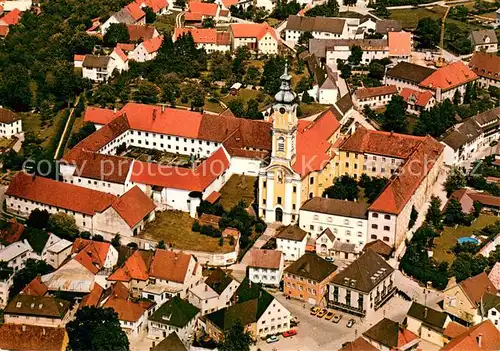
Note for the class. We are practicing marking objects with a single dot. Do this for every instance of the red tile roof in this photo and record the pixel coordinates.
(32, 337)
(121, 54)
(12, 18)
(170, 265)
(454, 329)
(133, 268)
(7, 116)
(366, 93)
(213, 197)
(153, 45)
(98, 115)
(192, 16)
(418, 98)
(200, 35)
(475, 287)
(486, 65)
(92, 299)
(104, 135)
(399, 43)
(486, 332)
(223, 38)
(140, 32)
(127, 310)
(448, 77)
(268, 259)
(253, 30)
(229, 3)
(4, 30)
(90, 254)
(203, 8)
(135, 11)
(78, 58)
(155, 5)
(35, 287)
(134, 206)
(126, 47)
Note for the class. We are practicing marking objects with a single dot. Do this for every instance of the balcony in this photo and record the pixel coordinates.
(360, 312)
(381, 300)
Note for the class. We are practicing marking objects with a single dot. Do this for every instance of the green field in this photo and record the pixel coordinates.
(410, 17)
(237, 188)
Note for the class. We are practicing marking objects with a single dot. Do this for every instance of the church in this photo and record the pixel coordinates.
(302, 158)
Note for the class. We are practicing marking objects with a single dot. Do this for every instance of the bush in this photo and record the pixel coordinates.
(195, 227)
(132, 245)
(260, 227)
(208, 230)
(98, 237)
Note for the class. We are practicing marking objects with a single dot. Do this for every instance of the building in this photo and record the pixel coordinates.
(174, 316)
(37, 310)
(32, 337)
(199, 11)
(483, 337)
(56, 250)
(468, 197)
(347, 220)
(386, 26)
(15, 255)
(147, 50)
(487, 67)
(389, 335)
(265, 267)
(400, 46)
(6, 280)
(307, 279)
(466, 142)
(461, 300)
(301, 164)
(130, 14)
(319, 27)
(257, 310)
(362, 287)
(258, 37)
(484, 40)
(357, 345)
(159, 7)
(93, 211)
(494, 275)
(374, 97)
(206, 38)
(489, 308)
(292, 242)
(379, 247)
(340, 49)
(214, 293)
(100, 68)
(10, 124)
(407, 75)
(427, 323)
(171, 343)
(11, 18)
(35, 288)
(417, 100)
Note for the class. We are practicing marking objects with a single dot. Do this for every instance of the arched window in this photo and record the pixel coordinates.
(281, 144)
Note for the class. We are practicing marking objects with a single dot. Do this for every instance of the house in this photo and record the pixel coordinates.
(120, 59)
(494, 275)
(461, 300)
(6, 281)
(407, 75)
(325, 243)
(10, 124)
(258, 37)
(199, 11)
(379, 247)
(265, 266)
(11, 18)
(489, 308)
(15, 255)
(139, 33)
(32, 337)
(147, 50)
(359, 344)
(97, 68)
(130, 14)
(347, 220)
(78, 61)
(427, 323)
(466, 142)
(487, 67)
(328, 92)
(484, 40)
(467, 197)
(364, 286)
(400, 46)
(159, 7)
(374, 97)
(340, 49)
(174, 316)
(171, 343)
(214, 293)
(482, 337)
(417, 100)
(307, 279)
(388, 335)
(320, 28)
(292, 240)
(207, 38)
(257, 310)
(384, 27)
(35, 288)
(94, 211)
(44, 311)
(56, 250)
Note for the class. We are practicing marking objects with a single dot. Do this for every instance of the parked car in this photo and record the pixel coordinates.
(322, 313)
(315, 310)
(294, 322)
(329, 315)
(329, 259)
(350, 323)
(271, 339)
(289, 333)
(337, 318)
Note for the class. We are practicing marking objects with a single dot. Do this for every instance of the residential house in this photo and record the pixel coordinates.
(417, 100)
(130, 14)
(427, 323)
(139, 33)
(328, 92)
(461, 300)
(257, 310)
(481, 337)
(56, 250)
(489, 308)
(388, 335)
(120, 59)
(386, 26)
(494, 275)
(359, 344)
(484, 40)
(325, 243)
(307, 279)
(171, 343)
(159, 7)
(199, 11)
(292, 241)
(32, 337)
(258, 37)
(347, 220)
(10, 124)
(379, 247)
(320, 28)
(266, 266)
(97, 68)
(174, 316)
(16, 255)
(340, 49)
(35, 288)
(363, 287)
(207, 38)
(487, 67)
(467, 197)
(6, 280)
(147, 50)
(214, 293)
(490, 245)
(400, 46)
(453, 330)
(374, 97)
(44, 311)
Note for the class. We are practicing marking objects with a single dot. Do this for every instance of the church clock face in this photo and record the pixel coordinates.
(282, 110)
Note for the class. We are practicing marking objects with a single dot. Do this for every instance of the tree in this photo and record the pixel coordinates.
(62, 225)
(87, 129)
(146, 92)
(236, 338)
(150, 14)
(208, 22)
(453, 213)
(161, 245)
(273, 69)
(304, 38)
(116, 33)
(394, 118)
(345, 71)
(330, 9)
(456, 180)
(345, 188)
(356, 53)
(237, 107)
(252, 77)
(381, 11)
(96, 329)
(253, 109)
(377, 70)
(197, 99)
(457, 97)
(413, 217)
(466, 265)
(436, 120)
(428, 32)
(24, 276)
(116, 241)
(38, 219)
(104, 95)
(434, 215)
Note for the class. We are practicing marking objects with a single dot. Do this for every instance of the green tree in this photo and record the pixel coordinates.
(273, 69)
(456, 180)
(236, 338)
(150, 14)
(116, 240)
(24, 276)
(198, 99)
(434, 215)
(381, 10)
(428, 32)
(466, 265)
(170, 85)
(87, 129)
(329, 9)
(376, 70)
(413, 217)
(116, 33)
(345, 71)
(436, 121)
(304, 38)
(62, 225)
(356, 53)
(453, 213)
(208, 22)
(146, 92)
(237, 107)
(161, 245)
(104, 95)
(96, 329)
(38, 219)
(457, 98)
(344, 188)
(252, 77)
(394, 118)
(253, 109)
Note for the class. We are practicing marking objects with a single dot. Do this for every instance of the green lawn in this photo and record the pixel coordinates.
(410, 17)
(237, 188)
(312, 109)
(166, 23)
(449, 236)
(174, 228)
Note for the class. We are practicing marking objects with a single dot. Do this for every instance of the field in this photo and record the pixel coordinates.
(449, 236)
(174, 228)
(410, 17)
(166, 23)
(48, 132)
(237, 188)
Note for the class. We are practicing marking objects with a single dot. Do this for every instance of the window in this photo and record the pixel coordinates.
(346, 221)
(347, 164)
(281, 144)
(373, 237)
(294, 189)
(375, 215)
(386, 238)
(311, 180)
(316, 217)
(374, 226)
(386, 227)
(387, 216)
(264, 184)
(279, 200)
(311, 227)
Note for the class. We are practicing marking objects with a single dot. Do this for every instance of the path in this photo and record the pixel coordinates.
(63, 135)
(178, 20)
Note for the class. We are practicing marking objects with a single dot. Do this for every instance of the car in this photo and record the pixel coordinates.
(294, 322)
(329, 315)
(314, 310)
(329, 259)
(322, 313)
(350, 323)
(271, 339)
(337, 318)
(289, 333)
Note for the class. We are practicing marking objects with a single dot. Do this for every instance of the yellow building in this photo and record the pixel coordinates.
(301, 165)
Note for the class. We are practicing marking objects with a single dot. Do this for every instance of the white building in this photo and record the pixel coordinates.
(97, 68)
(214, 293)
(341, 49)
(206, 38)
(266, 266)
(56, 250)
(6, 280)
(374, 97)
(347, 220)
(417, 100)
(10, 124)
(258, 37)
(292, 242)
(130, 14)
(319, 27)
(17, 254)
(490, 308)
(484, 40)
(147, 50)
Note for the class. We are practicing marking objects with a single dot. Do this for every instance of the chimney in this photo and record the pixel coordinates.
(479, 339)
(43, 331)
(23, 327)
(154, 114)
(425, 312)
(114, 110)
(162, 108)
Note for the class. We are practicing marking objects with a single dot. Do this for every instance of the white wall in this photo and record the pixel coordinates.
(275, 319)
(292, 250)
(8, 130)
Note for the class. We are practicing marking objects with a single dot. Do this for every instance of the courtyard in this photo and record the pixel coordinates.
(238, 187)
(163, 157)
